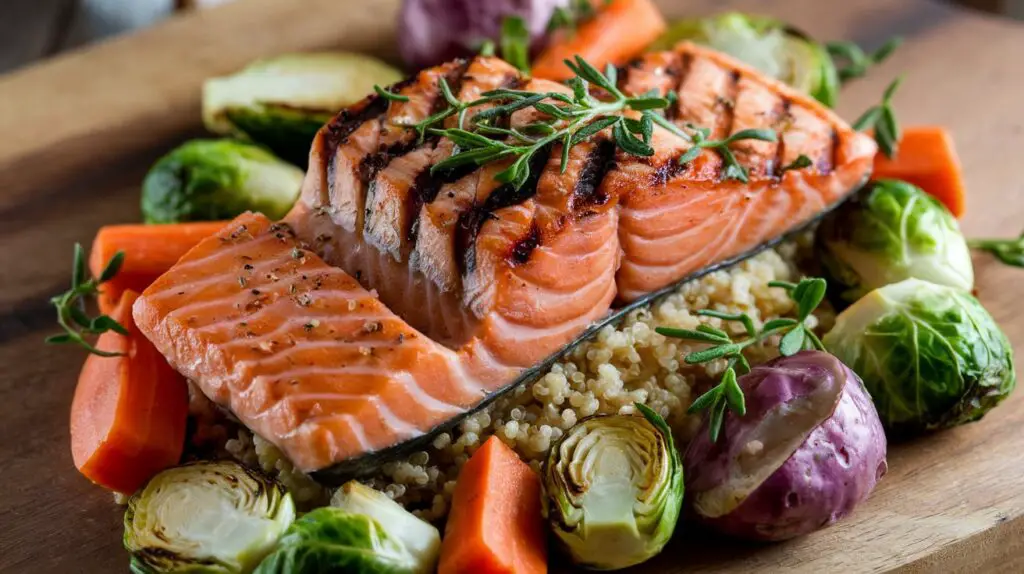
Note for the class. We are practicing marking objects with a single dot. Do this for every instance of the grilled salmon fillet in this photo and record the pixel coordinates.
(392, 299)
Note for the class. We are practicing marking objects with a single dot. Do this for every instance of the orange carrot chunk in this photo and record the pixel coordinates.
(495, 524)
(129, 412)
(619, 30)
(927, 159)
(150, 250)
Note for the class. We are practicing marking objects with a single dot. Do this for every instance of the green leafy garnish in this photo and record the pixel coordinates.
(807, 294)
(731, 168)
(571, 16)
(800, 162)
(1009, 251)
(71, 315)
(390, 96)
(857, 61)
(883, 120)
(571, 119)
(515, 42)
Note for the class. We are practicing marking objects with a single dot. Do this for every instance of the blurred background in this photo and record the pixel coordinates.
(34, 29)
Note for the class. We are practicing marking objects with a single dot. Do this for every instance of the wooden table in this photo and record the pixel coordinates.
(79, 132)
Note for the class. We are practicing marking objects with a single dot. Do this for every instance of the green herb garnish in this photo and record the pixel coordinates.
(515, 42)
(71, 315)
(883, 120)
(800, 162)
(732, 168)
(856, 59)
(1009, 251)
(807, 294)
(570, 17)
(390, 96)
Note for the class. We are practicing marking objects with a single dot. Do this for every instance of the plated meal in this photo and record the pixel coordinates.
(575, 282)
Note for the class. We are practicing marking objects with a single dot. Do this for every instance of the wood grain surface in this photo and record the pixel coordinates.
(79, 132)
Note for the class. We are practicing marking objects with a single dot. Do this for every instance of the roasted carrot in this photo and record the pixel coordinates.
(129, 412)
(927, 159)
(619, 30)
(150, 250)
(495, 523)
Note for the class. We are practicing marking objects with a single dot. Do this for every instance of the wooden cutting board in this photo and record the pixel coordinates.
(78, 133)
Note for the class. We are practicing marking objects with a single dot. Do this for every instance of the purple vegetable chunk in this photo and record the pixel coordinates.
(809, 450)
(435, 31)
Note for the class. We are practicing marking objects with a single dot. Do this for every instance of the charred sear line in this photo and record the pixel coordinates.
(830, 158)
(470, 222)
(728, 107)
(679, 69)
(668, 171)
(522, 249)
(782, 123)
(588, 193)
(337, 131)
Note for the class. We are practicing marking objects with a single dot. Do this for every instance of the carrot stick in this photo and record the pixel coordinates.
(927, 159)
(150, 250)
(619, 30)
(129, 412)
(495, 524)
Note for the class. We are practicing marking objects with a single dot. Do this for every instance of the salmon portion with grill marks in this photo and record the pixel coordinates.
(408, 296)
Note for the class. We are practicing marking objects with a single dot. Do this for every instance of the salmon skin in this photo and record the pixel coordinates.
(476, 285)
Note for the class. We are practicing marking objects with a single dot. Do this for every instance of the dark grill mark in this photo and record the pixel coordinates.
(524, 246)
(830, 158)
(679, 71)
(588, 193)
(668, 171)
(338, 130)
(729, 111)
(782, 122)
(471, 221)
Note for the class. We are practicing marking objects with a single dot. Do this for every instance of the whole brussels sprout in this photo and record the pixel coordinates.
(767, 44)
(613, 489)
(889, 232)
(210, 180)
(282, 101)
(808, 450)
(930, 355)
(207, 518)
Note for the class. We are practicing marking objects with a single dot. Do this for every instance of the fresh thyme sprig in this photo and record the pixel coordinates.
(515, 42)
(796, 336)
(71, 315)
(571, 16)
(883, 120)
(732, 168)
(1009, 251)
(856, 59)
(570, 119)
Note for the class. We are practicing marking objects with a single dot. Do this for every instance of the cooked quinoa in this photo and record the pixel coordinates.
(622, 365)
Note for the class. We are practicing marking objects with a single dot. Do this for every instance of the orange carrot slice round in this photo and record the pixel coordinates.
(927, 158)
(495, 524)
(619, 30)
(150, 250)
(129, 412)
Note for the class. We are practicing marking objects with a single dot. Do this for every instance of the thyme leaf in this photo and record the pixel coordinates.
(1009, 251)
(883, 120)
(795, 336)
(857, 61)
(70, 305)
(515, 42)
(732, 169)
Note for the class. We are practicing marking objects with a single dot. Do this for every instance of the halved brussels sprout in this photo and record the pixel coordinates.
(613, 489)
(420, 539)
(205, 517)
(767, 44)
(930, 355)
(282, 101)
(209, 180)
(889, 232)
(332, 540)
